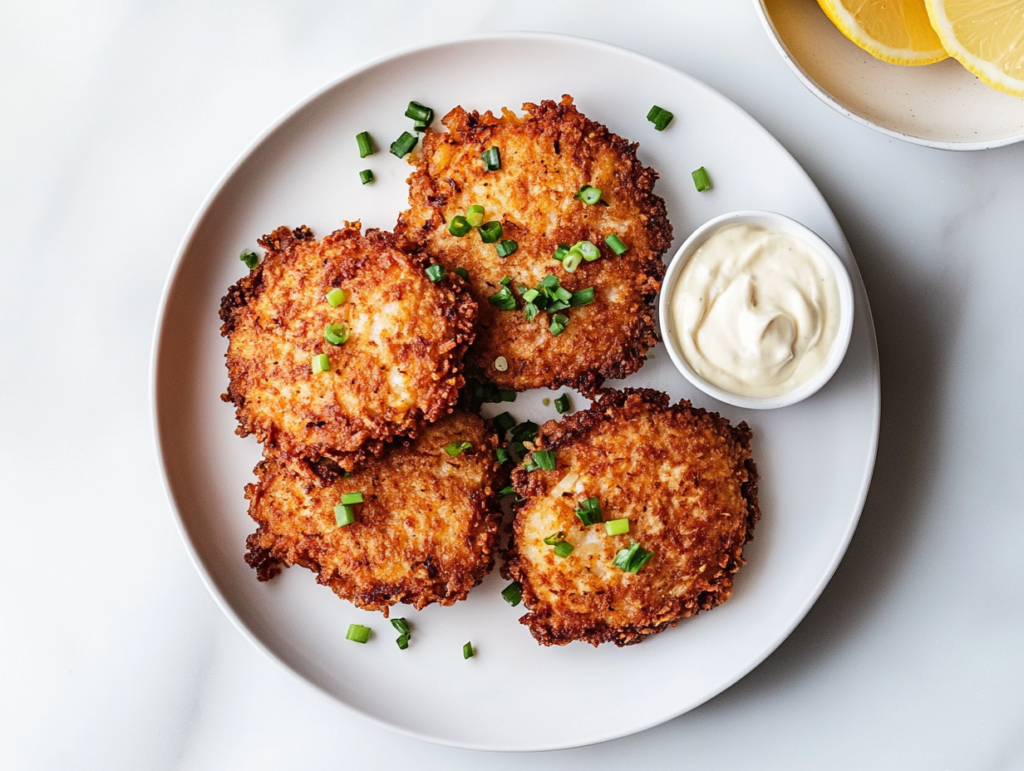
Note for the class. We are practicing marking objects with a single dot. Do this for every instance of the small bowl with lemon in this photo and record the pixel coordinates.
(940, 73)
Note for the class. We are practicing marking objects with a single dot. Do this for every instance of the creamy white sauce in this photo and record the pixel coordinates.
(755, 311)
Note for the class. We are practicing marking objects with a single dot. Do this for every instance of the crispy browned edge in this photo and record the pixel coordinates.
(555, 434)
(462, 316)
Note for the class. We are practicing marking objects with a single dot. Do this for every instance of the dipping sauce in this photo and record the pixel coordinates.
(756, 311)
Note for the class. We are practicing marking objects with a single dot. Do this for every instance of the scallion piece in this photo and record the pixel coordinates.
(563, 549)
(549, 283)
(562, 404)
(582, 297)
(503, 423)
(502, 455)
(475, 215)
(558, 322)
(492, 159)
(490, 394)
(358, 633)
(366, 176)
(506, 281)
(365, 143)
(436, 273)
(461, 272)
(402, 641)
(572, 260)
(321, 363)
(467, 651)
(616, 244)
(490, 232)
(561, 294)
(336, 334)
(530, 295)
(400, 625)
(555, 538)
(457, 448)
(459, 226)
(336, 297)
(512, 594)
(632, 558)
(508, 490)
(660, 117)
(616, 526)
(589, 511)
(248, 256)
(546, 401)
(589, 195)
(560, 252)
(417, 111)
(344, 514)
(420, 125)
(350, 498)
(506, 394)
(701, 180)
(401, 146)
(507, 247)
(546, 459)
(589, 250)
(503, 299)
(530, 311)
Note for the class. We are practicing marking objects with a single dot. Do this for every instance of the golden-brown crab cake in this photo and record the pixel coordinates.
(390, 338)
(684, 480)
(424, 532)
(546, 157)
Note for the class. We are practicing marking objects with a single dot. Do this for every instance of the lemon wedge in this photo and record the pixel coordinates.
(985, 37)
(895, 31)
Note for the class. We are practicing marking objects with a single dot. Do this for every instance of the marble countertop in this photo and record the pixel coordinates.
(118, 119)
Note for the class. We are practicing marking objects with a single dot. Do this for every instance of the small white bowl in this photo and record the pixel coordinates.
(773, 221)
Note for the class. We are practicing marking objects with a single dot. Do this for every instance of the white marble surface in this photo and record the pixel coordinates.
(117, 119)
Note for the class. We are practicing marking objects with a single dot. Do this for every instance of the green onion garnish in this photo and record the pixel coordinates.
(420, 125)
(555, 538)
(402, 641)
(459, 226)
(503, 299)
(336, 334)
(321, 363)
(417, 111)
(336, 297)
(589, 511)
(562, 404)
(344, 514)
(350, 498)
(530, 311)
(436, 273)
(503, 423)
(401, 146)
(560, 252)
(660, 117)
(616, 244)
(506, 394)
(365, 144)
(505, 280)
(475, 215)
(512, 593)
(530, 295)
(632, 558)
(589, 250)
(701, 179)
(491, 394)
(582, 297)
(616, 526)
(457, 448)
(572, 260)
(501, 454)
(508, 490)
(400, 625)
(358, 633)
(546, 459)
(492, 159)
(490, 232)
(558, 322)
(467, 651)
(546, 401)
(563, 549)
(507, 247)
(461, 272)
(248, 256)
(366, 176)
(589, 195)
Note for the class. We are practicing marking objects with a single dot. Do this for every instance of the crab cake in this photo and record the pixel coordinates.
(546, 157)
(424, 532)
(684, 480)
(393, 341)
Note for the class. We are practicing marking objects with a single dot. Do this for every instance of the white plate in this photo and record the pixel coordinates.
(938, 105)
(815, 459)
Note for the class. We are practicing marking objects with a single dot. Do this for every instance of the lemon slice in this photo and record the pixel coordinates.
(985, 37)
(895, 31)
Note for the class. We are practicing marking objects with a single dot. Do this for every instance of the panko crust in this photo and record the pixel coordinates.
(425, 532)
(684, 478)
(400, 369)
(547, 156)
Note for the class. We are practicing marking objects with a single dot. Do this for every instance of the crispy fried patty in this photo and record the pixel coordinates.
(683, 478)
(425, 532)
(546, 157)
(400, 368)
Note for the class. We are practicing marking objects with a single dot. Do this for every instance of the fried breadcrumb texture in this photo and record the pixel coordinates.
(424, 533)
(684, 479)
(546, 157)
(400, 368)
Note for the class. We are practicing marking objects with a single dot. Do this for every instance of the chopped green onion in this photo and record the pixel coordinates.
(436, 273)
(490, 232)
(589, 195)
(546, 401)
(549, 283)
(563, 549)
(558, 322)
(530, 311)
(420, 125)
(401, 146)
(358, 633)
(402, 641)
(616, 244)
(461, 272)
(501, 364)
(501, 454)
(582, 297)
(492, 159)
(555, 538)
(248, 256)
(457, 448)
(616, 526)
(561, 294)
(572, 260)
(417, 111)
(589, 511)
(701, 179)
(660, 117)
(512, 594)
(524, 432)
(503, 423)
(400, 625)
(344, 514)
(507, 247)
(632, 558)
(350, 498)
(508, 490)
(562, 404)
(530, 295)
(505, 280)
(467, 651)
(366, 176)
(475, 215)
(546, 459)
(336, 334)
(560, 252)
(459, 226)
(336, 297)
(503, 299)
(589, 250)
(490, 394)
(365, 144)
(321, 363)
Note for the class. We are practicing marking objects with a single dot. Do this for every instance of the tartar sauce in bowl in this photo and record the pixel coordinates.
(758, 310)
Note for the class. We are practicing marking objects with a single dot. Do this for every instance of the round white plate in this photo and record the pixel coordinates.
(815, 459)
(938, 105)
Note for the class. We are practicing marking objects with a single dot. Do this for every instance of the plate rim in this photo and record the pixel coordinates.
(159, 332)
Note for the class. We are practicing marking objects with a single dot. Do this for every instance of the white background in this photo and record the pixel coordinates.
(117, 118)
